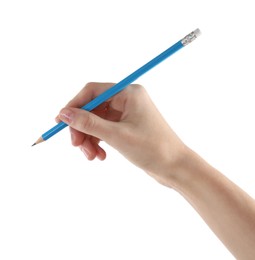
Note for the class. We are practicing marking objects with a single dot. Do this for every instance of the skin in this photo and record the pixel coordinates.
(146, 140)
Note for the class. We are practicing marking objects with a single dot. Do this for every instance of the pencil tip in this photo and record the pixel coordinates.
(38, 141)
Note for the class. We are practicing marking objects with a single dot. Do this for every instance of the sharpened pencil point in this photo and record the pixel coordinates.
(38, 141)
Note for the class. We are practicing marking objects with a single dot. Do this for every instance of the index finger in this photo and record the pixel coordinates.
(89, 92)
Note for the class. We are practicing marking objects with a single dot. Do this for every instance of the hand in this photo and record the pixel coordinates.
(129, 122)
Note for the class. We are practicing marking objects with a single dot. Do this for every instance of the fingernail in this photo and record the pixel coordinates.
(66, 115)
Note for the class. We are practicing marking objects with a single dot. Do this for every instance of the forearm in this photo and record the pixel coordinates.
(226, 208)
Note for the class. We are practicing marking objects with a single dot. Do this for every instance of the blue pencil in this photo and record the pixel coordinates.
(125, 82)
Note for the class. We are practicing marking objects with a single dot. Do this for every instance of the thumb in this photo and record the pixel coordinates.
(87, 122)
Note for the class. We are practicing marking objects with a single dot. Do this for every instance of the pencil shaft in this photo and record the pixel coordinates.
(126, 81)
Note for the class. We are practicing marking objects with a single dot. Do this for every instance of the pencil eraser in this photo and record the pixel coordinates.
(197, 32)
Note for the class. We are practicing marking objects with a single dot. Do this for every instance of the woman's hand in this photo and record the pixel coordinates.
(130, 123)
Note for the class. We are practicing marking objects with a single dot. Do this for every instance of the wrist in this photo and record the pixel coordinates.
(192, 173)
(173, 168)
(185, 173)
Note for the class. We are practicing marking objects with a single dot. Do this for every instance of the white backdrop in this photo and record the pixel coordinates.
(54, 204)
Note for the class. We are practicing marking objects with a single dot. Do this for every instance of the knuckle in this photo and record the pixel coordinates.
(90, 85)
(87, 87)
(138, 88)
(137, 91)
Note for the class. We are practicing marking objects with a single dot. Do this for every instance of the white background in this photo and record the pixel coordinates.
(54, 204)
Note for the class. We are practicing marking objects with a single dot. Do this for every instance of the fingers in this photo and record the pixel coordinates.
(101, 154)
(88, 123)
(80, 134)
(94, 89)
(89, 92)
(91, 149)
(89, 145)
(88, 128)
(77, 137)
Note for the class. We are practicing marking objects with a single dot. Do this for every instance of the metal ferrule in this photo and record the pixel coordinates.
(190, 37)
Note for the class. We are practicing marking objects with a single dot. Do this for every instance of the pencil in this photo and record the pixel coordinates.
(125, 82)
